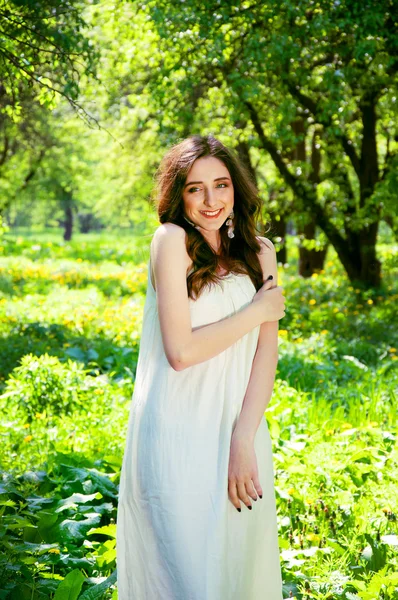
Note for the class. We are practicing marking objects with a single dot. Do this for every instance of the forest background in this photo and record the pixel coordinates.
(91, 96)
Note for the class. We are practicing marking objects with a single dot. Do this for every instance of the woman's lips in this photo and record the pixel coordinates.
(217, 214)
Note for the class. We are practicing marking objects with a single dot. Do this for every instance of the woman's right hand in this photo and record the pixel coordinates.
(270, 302)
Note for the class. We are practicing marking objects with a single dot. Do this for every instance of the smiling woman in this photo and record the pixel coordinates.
(198, 449)
(202, 183)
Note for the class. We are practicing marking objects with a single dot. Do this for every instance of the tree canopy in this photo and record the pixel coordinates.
(305, 92)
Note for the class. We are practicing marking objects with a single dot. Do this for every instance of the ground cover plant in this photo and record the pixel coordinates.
(70, 319)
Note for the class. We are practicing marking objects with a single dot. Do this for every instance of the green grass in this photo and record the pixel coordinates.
(70, 318)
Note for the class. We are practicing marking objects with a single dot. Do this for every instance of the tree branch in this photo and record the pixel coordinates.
(297, 187)
(312, 106)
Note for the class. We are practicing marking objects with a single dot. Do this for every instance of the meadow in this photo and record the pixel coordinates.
(70, 321)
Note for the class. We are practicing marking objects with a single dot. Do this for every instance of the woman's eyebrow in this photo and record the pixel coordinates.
(217, 179)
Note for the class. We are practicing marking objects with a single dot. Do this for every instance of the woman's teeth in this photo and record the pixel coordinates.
(211, 214)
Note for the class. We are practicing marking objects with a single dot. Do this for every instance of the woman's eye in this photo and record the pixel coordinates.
(196, 189)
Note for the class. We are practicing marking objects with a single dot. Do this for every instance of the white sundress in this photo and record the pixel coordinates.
(178, 535)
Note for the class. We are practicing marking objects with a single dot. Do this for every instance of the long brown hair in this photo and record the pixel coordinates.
(238, 254)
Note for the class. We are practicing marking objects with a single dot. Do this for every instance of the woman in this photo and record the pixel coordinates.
(197, 515)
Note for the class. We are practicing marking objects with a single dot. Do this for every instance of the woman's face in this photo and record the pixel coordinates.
(208, 189)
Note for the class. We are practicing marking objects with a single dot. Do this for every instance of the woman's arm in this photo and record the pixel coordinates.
(261, 383)
(262, 377)
(183, 345)
(243, 478)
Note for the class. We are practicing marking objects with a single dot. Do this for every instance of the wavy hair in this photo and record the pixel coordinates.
(237, 254)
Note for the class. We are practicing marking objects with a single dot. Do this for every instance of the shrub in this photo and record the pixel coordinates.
(45, 384)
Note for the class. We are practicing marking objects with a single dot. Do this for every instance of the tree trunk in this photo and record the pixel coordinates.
(356, 249)
(310, 260)
(67, 205)
(313, 260)
(242, 149)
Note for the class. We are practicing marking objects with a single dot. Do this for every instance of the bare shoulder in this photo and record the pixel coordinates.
(169, 231)
(168, 250)
(266, 245)
(169, 237)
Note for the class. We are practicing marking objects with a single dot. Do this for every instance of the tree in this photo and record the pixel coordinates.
(44, 54)
(330, 64)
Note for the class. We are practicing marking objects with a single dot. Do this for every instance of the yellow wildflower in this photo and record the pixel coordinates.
(312, 301)
(28, 438)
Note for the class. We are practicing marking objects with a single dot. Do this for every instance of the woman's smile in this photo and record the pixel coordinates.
(211, 214)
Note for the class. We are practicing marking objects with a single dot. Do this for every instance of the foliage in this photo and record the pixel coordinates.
(44, 385)
(306, 93)
(58, 531)
(44, 53)
(304, 84)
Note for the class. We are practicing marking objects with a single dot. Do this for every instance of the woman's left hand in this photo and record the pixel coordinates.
(243, 482)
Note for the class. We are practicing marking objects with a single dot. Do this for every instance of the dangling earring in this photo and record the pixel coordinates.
(230, 225)
(190, 222)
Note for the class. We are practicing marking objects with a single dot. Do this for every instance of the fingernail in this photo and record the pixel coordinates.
(255, 499)
(249, 507)
(238, 509)
(270, 277)
(260, 496)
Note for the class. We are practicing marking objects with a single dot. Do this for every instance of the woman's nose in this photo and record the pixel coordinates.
(210, 198)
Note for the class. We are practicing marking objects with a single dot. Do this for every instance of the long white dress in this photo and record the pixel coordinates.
(179, 537)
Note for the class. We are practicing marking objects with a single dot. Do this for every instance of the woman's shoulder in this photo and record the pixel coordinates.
(169, 230)
(169, 241)
(266, 244)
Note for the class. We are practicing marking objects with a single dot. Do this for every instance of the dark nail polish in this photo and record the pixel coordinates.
(255, 499)
(270, 277)
(238, 509)
(249, 507)
(260, 496)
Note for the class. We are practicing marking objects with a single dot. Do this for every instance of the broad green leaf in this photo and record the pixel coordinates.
(70, 587)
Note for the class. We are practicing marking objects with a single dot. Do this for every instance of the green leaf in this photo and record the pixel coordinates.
(48, 527)
(109, 530)
(77, 530)
(97, 592)
(66, 503)
(76, 353)
(69, 588)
